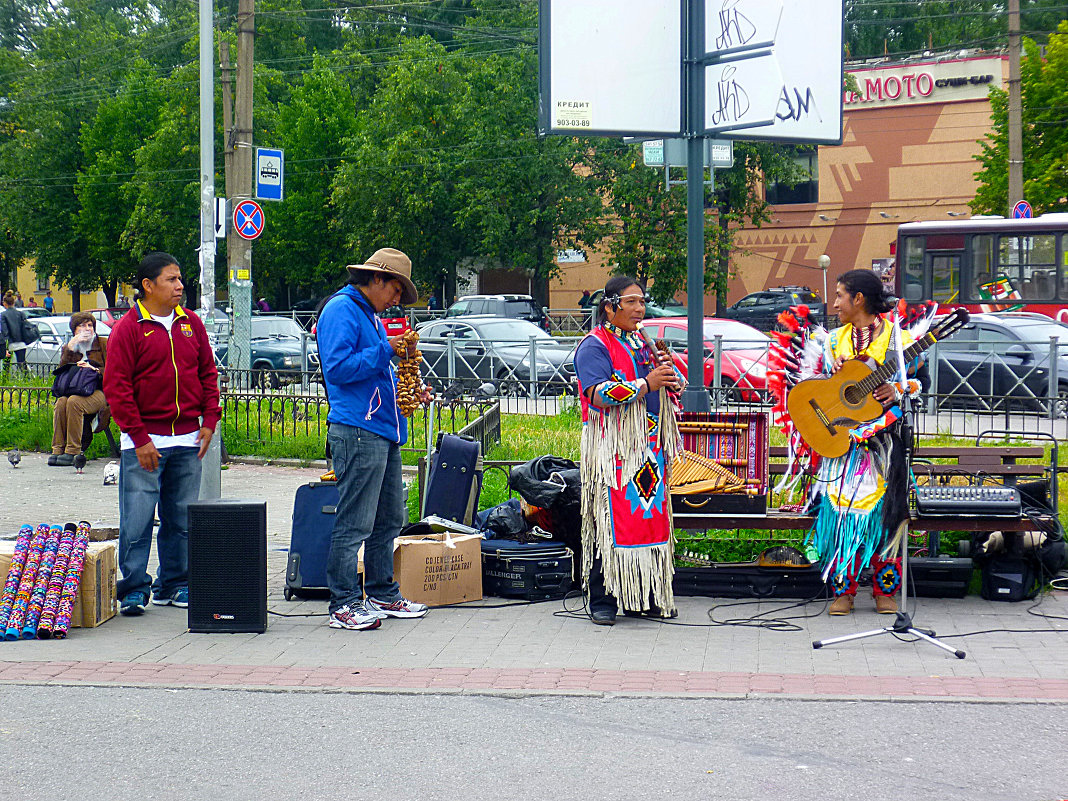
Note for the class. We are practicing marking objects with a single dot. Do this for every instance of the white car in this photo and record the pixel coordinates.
(55, 332)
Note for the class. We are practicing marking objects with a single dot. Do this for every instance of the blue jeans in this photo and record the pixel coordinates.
(370, 511)
(172, 485)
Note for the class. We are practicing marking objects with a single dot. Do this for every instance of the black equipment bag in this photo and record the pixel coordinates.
(455, 479)
(314, 511)
(747, 580)
(1009, 577)
(531, 571)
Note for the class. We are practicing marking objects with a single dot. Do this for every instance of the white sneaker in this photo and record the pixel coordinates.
(402, 607)
(354, 618)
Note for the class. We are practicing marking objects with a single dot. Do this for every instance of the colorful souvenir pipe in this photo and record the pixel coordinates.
(26, 583)
(55, 583)
(71, 582)
(14, 574)
(40, 586)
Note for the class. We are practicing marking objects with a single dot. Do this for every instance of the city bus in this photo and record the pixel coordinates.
(986, 264)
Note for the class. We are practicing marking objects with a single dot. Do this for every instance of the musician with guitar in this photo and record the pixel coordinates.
(852, 418)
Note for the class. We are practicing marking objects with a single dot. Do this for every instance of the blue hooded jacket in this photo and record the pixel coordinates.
(361, 382)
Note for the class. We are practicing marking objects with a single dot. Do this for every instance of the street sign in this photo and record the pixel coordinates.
(248, 219)
(270, 172)
(719, 153)
(1022, 211)
(220, 218)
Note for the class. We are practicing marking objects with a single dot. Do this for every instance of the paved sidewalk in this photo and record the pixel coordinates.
(493, 647)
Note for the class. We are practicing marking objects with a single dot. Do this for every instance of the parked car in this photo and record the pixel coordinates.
(516, 307)
(55, 332)
(761, 309)
(110, 315)
(744, 349)
(395, 319)
(275, 351)
(35, 311)
(1000, 360)
(668, 309)
(492, 349)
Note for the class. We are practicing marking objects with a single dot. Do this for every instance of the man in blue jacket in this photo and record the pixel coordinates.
(366, 431)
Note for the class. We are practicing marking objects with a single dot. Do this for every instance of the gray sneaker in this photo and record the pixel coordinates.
(354, 618)
(402, 607)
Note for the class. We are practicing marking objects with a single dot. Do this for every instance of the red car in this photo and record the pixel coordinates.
(110, 316)
(396, 321)
(744, 364)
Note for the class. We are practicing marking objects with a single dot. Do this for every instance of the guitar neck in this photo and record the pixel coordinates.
(880, 374)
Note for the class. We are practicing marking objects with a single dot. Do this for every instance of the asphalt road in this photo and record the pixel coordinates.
(92, 742)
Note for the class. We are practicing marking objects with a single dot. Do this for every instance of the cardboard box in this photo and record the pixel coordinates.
(439, 569)
(96, 600)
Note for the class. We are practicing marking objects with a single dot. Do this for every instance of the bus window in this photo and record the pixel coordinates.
(1064, 267)
(984, 264)
(913, 272)
(945, 277)
(1029, 264)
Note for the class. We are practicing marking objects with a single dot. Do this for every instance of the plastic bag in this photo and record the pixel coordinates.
(547, 480)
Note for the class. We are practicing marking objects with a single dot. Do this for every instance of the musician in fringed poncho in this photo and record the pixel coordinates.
(629, 437)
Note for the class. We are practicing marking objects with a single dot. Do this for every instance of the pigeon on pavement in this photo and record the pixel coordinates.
(14, 457)
(79, 462)
(111, 473)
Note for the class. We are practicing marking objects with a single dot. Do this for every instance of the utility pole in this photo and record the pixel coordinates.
(211, 474)
(238, 250)
(694, 395)
(1015, 109)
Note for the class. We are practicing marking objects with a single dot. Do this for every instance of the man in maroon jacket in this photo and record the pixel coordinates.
(162, 386)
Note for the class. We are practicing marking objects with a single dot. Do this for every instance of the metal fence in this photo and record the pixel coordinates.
(986, 386)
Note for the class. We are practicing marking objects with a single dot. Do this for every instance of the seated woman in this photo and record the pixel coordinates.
(88, 351)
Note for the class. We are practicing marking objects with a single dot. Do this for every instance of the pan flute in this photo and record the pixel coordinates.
(693, 473)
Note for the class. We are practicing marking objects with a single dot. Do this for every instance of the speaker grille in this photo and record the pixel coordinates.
(228, 566)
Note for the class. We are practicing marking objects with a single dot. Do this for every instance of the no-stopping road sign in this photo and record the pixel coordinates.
(248, 219)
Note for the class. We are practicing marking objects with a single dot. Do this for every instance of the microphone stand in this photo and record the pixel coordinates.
(903, 621)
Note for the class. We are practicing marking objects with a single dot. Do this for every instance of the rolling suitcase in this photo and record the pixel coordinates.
(314, 509)
(533, 571)
(455, 479)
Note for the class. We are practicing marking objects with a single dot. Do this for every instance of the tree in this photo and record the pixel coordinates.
(1044, 97)
(302, 249)
(650, 240)
(875, 27)
(109, 145)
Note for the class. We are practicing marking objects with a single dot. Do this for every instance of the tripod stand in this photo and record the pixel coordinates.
(903, 622)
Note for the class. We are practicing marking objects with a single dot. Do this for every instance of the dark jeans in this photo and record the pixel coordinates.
(171, 486)
(600, 600)
(370, 512)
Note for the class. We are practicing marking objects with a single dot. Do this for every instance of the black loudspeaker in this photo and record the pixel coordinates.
(227, 566)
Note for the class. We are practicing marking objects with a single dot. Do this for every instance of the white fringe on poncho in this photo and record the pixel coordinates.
(635, 576)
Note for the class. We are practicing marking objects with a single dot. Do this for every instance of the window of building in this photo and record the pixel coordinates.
(42, 283)
(807, 190)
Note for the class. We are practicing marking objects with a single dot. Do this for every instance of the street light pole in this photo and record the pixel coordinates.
(824, 261)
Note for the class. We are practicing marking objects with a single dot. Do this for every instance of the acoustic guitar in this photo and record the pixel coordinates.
(824, 410)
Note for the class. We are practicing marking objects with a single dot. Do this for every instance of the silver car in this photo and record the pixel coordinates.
(55, 333)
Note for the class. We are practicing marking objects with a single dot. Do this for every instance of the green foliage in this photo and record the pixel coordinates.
(1044, 97)
(877, 27)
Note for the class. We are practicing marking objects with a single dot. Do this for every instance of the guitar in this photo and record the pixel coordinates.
(824, 410)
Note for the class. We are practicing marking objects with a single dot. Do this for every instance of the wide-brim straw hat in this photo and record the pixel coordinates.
(394, 264)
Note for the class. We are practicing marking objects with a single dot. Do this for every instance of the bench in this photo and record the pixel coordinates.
(998, 462)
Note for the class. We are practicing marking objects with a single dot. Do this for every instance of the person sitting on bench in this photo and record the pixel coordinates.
(88, 351)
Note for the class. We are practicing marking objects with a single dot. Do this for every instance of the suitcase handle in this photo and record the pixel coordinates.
(692, 505)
